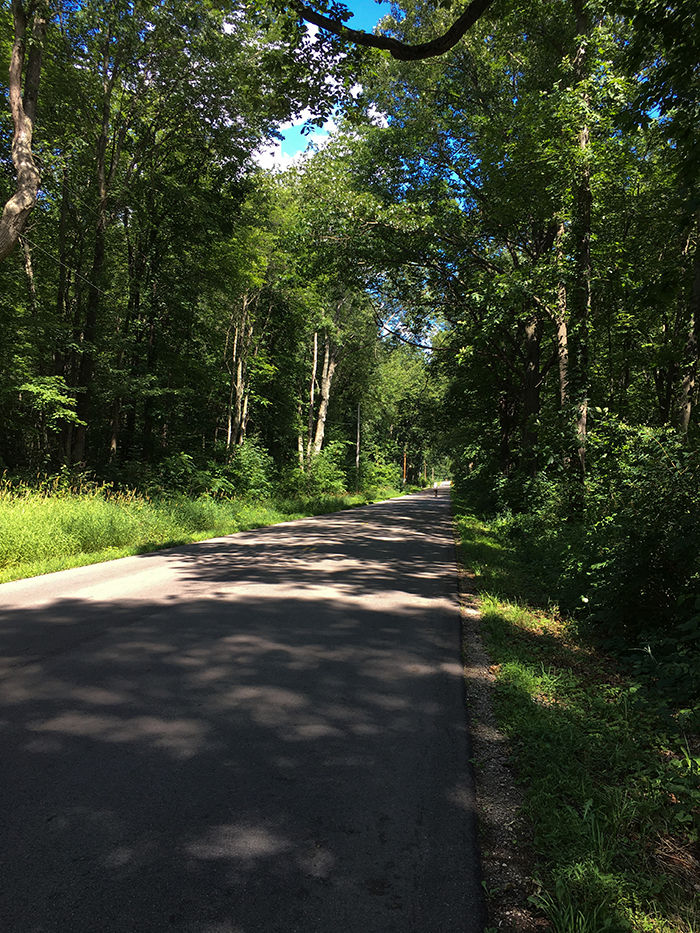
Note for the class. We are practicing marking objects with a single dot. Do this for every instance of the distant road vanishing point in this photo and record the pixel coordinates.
(264, 733)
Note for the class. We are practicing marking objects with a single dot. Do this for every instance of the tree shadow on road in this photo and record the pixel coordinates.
(245, 761)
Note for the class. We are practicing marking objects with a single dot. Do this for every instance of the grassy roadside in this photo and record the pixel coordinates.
(611, 781)
(42, 532)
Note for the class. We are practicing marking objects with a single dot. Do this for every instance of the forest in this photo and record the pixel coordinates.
(490, 272)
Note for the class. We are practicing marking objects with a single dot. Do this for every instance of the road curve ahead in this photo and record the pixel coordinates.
(264, 733)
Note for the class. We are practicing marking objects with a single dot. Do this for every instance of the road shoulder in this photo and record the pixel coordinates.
(504, 832)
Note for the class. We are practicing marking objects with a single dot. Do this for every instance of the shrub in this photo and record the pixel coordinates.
(323, 476)
(325, 473)
(249, 471)
(643, 529)
(378, 474)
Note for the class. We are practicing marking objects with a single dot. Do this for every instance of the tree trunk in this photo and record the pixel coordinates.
(505, 423)
(692, 347)
(314, 369)
(86, 371)
(300, 443)
(238, 399)
(136, 261)
(561, 325)
(329, 365)
(114, 425)
(232, 389)
(245, 411)
(31, 284)
(357, 452)
(129, 432)
(665, 383)
(531, 394)
(62, 295)
(581, 229)
(239, 395)
(17, 210)
(59, 358)
(148, 442)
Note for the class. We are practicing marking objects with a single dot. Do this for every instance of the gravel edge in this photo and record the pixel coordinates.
(504, 832)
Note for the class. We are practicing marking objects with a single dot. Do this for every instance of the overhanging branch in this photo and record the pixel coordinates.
(397, 49)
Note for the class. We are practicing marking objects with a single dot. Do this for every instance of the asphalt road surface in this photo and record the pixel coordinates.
(264, 733)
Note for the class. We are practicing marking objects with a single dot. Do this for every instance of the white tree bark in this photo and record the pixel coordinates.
(327, 373)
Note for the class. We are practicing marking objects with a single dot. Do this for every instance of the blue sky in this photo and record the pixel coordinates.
(366, 14)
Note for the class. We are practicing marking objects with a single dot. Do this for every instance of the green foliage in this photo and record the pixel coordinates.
(326, 473)
(248, 474)
(50, 396)
(323, 476)
(379, 474)
(630, 565)
(662, 48)
(179, 473)
(70, 520)
(610, 781)
(250, 470)
(644, 528)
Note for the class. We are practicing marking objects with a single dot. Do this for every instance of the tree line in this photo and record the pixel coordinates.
(166, 296)
(495, 260)
(533, 195)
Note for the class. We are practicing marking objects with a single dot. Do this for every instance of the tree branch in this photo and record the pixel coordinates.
(397, 49)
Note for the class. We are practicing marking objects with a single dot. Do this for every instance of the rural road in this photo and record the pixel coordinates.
(264, 733)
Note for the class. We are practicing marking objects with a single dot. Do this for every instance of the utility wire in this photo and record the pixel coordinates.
(60, 262)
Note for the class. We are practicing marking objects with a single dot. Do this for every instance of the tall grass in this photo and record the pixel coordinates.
(51, 528)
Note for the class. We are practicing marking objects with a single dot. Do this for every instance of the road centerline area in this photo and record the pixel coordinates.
(264, 733)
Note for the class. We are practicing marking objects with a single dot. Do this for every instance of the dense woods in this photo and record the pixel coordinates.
(167, 299)
(494, 264)
(491, 271)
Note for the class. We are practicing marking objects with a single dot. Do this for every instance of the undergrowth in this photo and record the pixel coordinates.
(53, 525)
(610, 769)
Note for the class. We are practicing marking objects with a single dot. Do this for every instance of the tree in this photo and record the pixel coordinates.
(151, 117)
(511, 204)
(24, 77)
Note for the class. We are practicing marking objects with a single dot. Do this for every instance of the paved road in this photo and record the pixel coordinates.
(264, 733)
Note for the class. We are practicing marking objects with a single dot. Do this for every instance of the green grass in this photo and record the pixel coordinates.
(612, 788)
(45, 531)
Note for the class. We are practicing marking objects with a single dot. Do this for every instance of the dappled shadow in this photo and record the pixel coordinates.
(266, 734)
(391, 546)
(595, 784)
